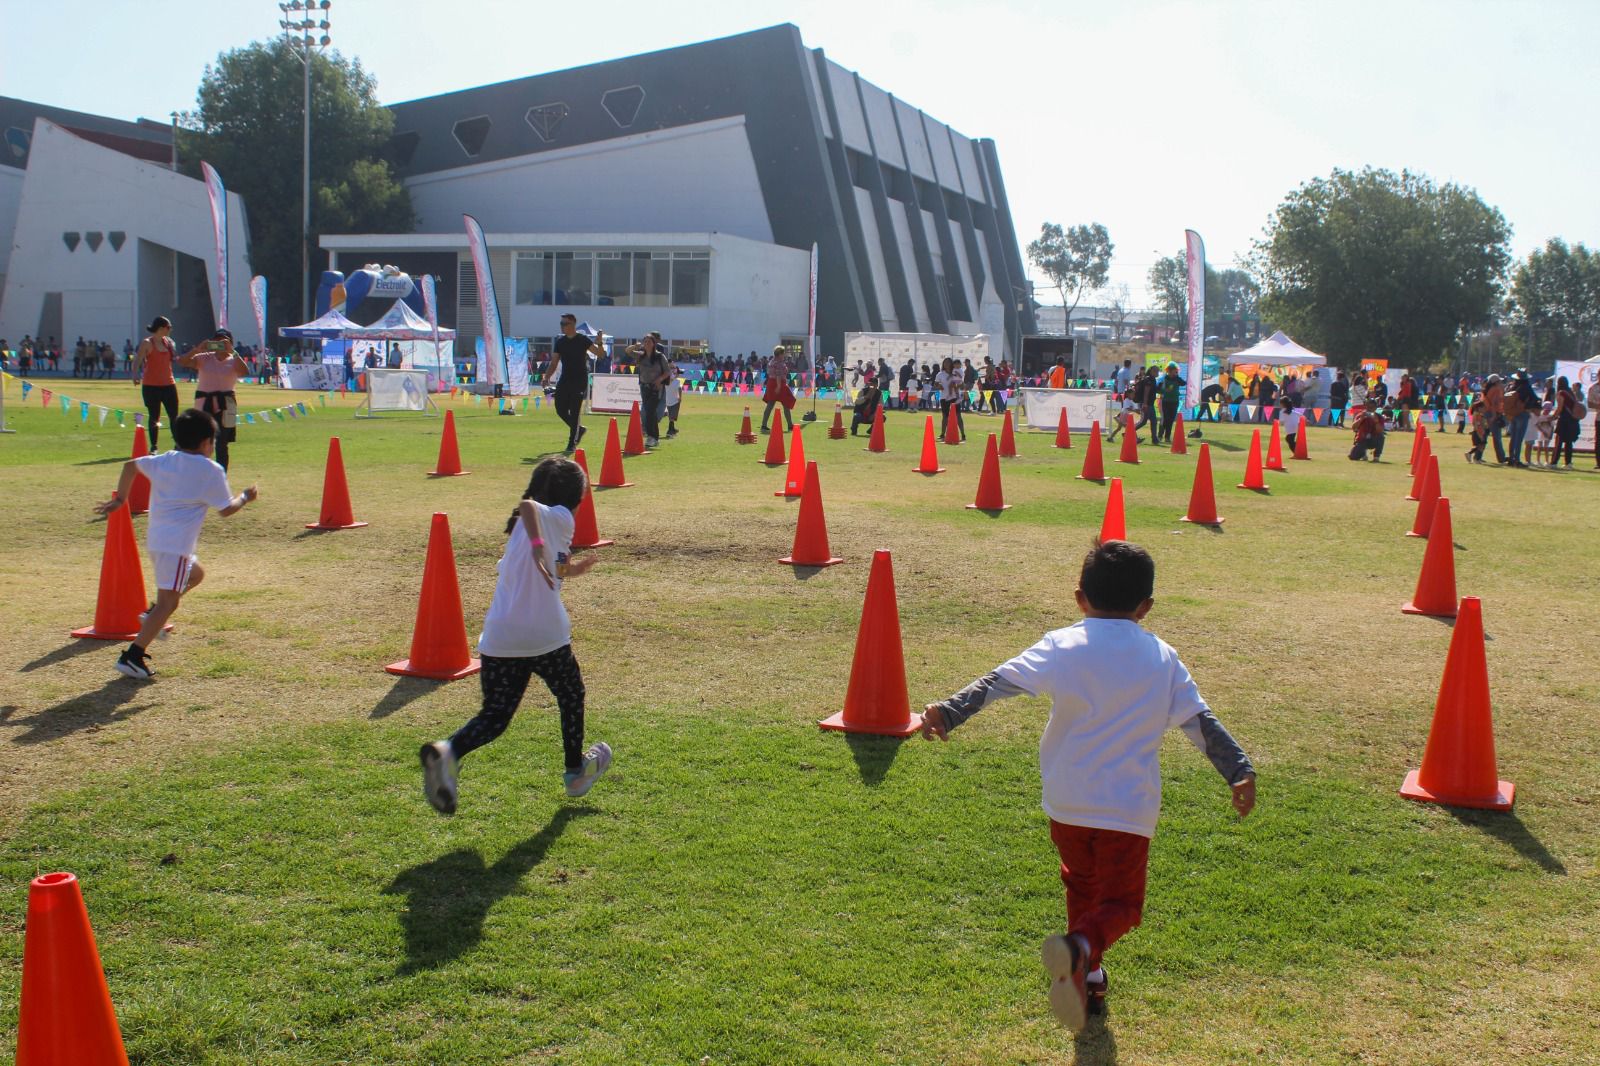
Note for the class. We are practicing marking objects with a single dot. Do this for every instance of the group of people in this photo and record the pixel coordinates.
(565, 378)
(931, 386)
(90, 359)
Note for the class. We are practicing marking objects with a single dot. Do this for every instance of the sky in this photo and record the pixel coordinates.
(1148, 116)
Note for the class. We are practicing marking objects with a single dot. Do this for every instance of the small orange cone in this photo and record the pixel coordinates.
(774, 456)
(121, 598)
(1114, 525)
(1458, 765)
(990, 497)
(930, 451)
(1254, 479)
(1419, 471)
(952, 428)
(1180, 444)
(1008, 438)
(449, 464)
(794, 485)
(336, 512)
(1094, 467)
(1436, 585)
(1063, 431)
(876, 701)
(1302, 447)
(1417, 438)
(1423, 523)
(439, 637)
(611, 475)
(1275, 448)
(635, 444)
(66, 1015)
(875, 439)
(1203, 497)
(811, 530)
(139, 495)
(1130, 444)
(746, 435)
(585, 530)
(837, 430)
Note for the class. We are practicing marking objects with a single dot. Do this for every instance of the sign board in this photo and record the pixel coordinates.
(309, 376)
(613, 393)
(1587, 375)
(396, 390)
(1042, 408)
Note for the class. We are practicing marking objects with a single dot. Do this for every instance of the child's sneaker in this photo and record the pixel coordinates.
(596, 761)
(439, 776)
(1064, 962)
(1094, 987)
(135, 663)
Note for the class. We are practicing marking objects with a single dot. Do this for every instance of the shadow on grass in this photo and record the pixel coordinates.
(873, 755)
(449, 897)
(1507, 828)
(65, 652)
(1095, 1046)
(90, 711)
(103, 462)
(406, 691)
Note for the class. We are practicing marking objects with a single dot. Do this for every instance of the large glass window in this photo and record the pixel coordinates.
(691, 279)
(652, 278)
(574, 279)
(535, 279)
(613, 279)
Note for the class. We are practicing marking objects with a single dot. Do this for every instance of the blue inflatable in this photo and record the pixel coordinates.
(382, 283)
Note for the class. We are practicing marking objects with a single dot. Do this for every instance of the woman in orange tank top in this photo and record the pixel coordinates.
(152, 371)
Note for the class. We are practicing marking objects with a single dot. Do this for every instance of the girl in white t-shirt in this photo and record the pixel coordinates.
(527, 633)
(1125, 408)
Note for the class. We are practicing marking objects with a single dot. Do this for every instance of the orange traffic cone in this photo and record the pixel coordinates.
(1275, 448)
(1130, 444)
(585, 530)
(794, 485)
(121, 599)
(952, 427)
(1114, 525)
(449, 464)
(66, 1016)
(139, 495)
(1302, 447)
(1416, 442)
(635, 443)
(1180, 444)
(837, 430)
(1094, 467)
(1203, 497)
(930, 451)
(1419, 471)
(1254, 479)
(990, 497)
(1063, 431)
(774, 456)
(1458, 766)
(1008, 438)
(336, 512)
(1436, 585)
(1423, 523)
(876, 701)
(811, 530)
(746, 435)
(875, 440)
(611, 475)
(439, 637)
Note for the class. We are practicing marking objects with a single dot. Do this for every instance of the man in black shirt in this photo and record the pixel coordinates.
(571, 363)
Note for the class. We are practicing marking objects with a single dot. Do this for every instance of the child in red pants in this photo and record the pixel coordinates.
(1115, 688)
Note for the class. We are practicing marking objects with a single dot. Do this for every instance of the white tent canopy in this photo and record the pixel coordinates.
(1277, 350)
(399, 323)
(330, 326)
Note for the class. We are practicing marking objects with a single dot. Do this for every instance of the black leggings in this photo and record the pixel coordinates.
(155, 398)
(1169, 414)
(505, 680)
(569, 408)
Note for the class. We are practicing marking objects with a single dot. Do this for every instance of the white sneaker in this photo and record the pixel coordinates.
(439, 776)
(651, 442)
(1064, 962)
(596, 761)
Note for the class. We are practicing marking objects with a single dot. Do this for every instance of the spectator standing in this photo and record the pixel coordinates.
(654, 372)
(570, 368)
(1568, 414)
(1170, 390)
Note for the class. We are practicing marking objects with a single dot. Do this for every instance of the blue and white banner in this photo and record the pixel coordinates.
(219, 226)
(493, 369)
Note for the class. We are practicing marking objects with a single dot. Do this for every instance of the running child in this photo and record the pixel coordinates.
(527, 633)
(674, 401)
(184, 484)
(1115, 688)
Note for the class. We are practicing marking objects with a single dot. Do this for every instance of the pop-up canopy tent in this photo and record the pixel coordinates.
(330, 326)
(1277, 350)
(399, 323)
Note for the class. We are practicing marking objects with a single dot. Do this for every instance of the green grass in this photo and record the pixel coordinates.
(267, 885)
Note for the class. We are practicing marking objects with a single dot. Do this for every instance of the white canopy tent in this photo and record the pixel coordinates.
(399, 323)
(1277, 350)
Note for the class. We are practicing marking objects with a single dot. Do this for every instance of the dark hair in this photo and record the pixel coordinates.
(161, 322)
(1117, 576)
(570, 315)
(193, 428)
(222, 334)
(555, 482)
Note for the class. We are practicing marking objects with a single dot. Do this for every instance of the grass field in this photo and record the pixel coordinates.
(268, 886)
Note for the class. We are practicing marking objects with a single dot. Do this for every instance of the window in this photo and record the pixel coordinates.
(535, 279)
(470, 133)
(574, 279)
(623, 104)
(613, 279)
(652, 278)
(691, 279)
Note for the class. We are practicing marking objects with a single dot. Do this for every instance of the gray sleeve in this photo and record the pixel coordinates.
(1218, 745)
(969, 701)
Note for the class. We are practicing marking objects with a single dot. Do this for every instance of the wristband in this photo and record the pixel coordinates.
(536, 542)
(239, 501)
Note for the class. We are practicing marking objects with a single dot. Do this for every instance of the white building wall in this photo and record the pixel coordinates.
(10, 204)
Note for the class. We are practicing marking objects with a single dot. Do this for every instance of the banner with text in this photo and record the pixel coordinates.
(1043, 407)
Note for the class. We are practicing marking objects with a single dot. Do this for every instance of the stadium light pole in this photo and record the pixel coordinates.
(306, 31)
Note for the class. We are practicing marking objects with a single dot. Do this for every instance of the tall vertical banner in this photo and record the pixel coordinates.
(219, 226)
(1195, 254)
(493, 370)
(811, 326)
(258, 303)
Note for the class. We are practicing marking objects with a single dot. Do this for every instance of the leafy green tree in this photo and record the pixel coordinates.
(1169, 285)
(1077, 261)
(1555, 303)
(1228, 292)
(247, 123)
(1374, 264)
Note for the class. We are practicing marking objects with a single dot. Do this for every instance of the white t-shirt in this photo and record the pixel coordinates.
(526, 616)
(1115, 688)
(1289, 421)
(183, 486)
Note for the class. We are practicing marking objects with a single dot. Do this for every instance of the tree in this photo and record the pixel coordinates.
(1118, 307)
(1169, 284)
(1555, 303)
(247, 124)
(1076, 261)
(1381, 265)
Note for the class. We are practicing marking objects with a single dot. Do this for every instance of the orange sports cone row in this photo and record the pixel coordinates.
(121, 599)
(1416, 442)
(1275, 448)
(449, 464)
(1419, 471)
(952, 428)
(774, 456)
(139, 495)
(1430, 497)
(336, 512)
(1458, 766)
(1063, 431)
(635, 444)
(811, 530)
(1203, 497)
(930, 451)
(1180, 444)
(1436, 585)
(611, 475)
(745, 435)
(794, 483)
(67, 1016)
(1302, 447)
(1008, 439)
(1254, 479)
(875, 439)
(1114, 525)
(585, 530)
(837, 430)
(439, 637)
(876, 701)
(990, 497)
(1094, 467)
(1130, 444)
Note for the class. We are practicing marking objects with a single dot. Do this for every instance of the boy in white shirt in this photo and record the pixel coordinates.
(184, 484)
(1115, 689)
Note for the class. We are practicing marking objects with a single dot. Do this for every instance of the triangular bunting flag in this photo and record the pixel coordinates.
(103, 413)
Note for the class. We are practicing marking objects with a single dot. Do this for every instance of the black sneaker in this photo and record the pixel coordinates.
(135, 663)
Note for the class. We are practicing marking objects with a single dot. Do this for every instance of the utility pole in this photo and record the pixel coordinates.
(305, 29)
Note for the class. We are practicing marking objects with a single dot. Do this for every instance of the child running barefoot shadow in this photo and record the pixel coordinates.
(527, 633)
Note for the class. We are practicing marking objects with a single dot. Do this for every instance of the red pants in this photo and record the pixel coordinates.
(1104, 872)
